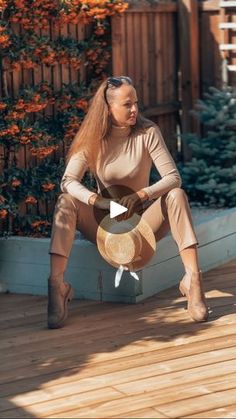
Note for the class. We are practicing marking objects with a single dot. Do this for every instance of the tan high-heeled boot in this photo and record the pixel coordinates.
(59, 294)
(191, 286)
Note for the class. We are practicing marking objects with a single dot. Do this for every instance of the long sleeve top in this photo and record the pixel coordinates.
(125, 160)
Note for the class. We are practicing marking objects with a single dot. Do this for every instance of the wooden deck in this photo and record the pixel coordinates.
(116, 360)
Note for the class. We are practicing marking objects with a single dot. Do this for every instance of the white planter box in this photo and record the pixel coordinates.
(24, 263)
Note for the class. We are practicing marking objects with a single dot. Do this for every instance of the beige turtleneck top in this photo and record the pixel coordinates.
(125, 160)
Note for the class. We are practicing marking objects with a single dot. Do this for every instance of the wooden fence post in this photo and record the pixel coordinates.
(118, 47)
(188, 11)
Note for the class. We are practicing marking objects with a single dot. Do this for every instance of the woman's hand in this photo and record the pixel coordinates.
(99, 202)
(133, 202)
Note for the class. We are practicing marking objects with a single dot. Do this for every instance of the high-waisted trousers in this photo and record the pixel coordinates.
(170, 212)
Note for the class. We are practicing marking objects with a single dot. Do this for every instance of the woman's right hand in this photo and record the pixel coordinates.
(100, 202)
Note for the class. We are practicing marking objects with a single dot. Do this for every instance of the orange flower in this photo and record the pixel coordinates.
(31, 200)
(15, 183)
(12, 130)
(82, 104)
(99, 30)
(3, 5)
(28, 64)
(15, 115)
(3, 38)
(38, 224)
(24, 139)
(36, 97)
(2, 106)
(63, 106)
(42, 152)
(35, 107)
(48, 186)
(3, 213)
(20, 104)
(20, 4)
(15, 66)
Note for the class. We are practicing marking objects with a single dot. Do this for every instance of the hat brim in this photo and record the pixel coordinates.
(140, 225)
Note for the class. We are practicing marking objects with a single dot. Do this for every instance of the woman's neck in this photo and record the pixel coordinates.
(120, 132)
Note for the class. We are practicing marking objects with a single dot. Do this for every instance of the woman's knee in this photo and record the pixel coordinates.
(177, 194)
(67, 201)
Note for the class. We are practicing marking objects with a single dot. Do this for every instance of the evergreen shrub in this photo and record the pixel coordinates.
(209, 178)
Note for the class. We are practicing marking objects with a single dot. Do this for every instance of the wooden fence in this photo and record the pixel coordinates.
(55, 75)
(171, 50)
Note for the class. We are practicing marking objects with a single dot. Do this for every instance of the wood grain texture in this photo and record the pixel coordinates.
(119, 360)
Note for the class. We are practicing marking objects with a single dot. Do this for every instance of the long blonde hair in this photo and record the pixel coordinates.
(96, 127)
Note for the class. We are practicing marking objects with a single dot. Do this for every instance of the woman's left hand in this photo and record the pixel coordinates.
(133, 202)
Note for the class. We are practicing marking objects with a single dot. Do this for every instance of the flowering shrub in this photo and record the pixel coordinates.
(40, 12)
(33, 50)
(38, 123)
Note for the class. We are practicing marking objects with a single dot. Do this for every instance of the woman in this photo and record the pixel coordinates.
(119, 147)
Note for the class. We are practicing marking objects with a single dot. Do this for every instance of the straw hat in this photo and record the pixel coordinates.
(129, 243)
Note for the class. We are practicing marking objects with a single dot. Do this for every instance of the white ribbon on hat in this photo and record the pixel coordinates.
(119, 273)
(126, 225)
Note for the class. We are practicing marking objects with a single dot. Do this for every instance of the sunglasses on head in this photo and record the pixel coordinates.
(116, 82)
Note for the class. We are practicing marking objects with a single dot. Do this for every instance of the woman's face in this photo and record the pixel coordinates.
(123, 105)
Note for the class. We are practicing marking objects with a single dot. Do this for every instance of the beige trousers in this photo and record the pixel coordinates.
(170, 212)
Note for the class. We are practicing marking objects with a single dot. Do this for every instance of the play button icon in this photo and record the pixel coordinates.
(114, 193)
(116, 209)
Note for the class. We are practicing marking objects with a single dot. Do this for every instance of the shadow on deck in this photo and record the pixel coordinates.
(121, 360)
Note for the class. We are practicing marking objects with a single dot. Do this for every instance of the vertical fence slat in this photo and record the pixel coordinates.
(72, 33)
(65, 72)
(44, 72)
(16, 75)
(144, 59)
(151, 60)
(119, 62)
(56, 71)
(80, 35)
(130, 50)
(158, 57)
(137, 53)
(189, 60)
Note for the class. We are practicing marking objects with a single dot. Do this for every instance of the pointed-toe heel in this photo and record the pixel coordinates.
(59, 295)
(191, 287)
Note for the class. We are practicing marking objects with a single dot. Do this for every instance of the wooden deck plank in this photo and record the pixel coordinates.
(228, 411)
(112, 364)
(85, 404)
(145, 413)
(36, 332)
(68, 401)
(215, 299)
(125, 406)
(128, 383)
(120, 360)
(151, 312)
(104, 349)
(199, 404)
